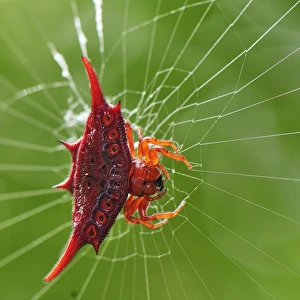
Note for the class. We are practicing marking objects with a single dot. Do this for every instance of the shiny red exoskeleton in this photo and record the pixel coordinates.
(105, 169)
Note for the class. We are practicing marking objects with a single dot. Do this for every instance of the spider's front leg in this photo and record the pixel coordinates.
(151, 154)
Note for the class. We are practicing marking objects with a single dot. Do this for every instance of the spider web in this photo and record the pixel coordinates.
(219, 78)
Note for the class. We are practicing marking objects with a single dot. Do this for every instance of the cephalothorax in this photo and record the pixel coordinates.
(105, 169)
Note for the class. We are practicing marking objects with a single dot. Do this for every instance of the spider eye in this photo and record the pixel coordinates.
(159, 183)
(144, 181)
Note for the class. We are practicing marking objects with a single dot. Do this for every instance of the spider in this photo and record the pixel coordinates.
(145, 179)
(105, 170)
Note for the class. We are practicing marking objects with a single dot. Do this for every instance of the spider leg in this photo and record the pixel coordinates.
(159, 195)
(143, 148)
(130, 140)
(131, 206)
(141, 204)
(164, 143)
(164, 170)
(163, 215)
(155, 141)
(147, 220)
(153, 156)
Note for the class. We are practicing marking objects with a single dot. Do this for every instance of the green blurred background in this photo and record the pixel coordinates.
(219, 78)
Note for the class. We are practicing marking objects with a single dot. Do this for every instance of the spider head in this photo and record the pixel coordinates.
(145, 179)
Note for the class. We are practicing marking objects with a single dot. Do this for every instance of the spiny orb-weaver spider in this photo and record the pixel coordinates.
(105, 170)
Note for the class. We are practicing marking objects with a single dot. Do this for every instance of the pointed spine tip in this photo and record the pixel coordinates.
(66, 185)
(96, 92)
(71, 147)
(117, 108)
(68, 254)
(96, 245)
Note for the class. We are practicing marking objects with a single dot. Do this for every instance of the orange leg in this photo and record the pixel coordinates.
(152, 154)
(152, 198)
(163, 169)
(141, 204)
(130, 208)
(155, 141)
(163, 215)
(129, 134)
